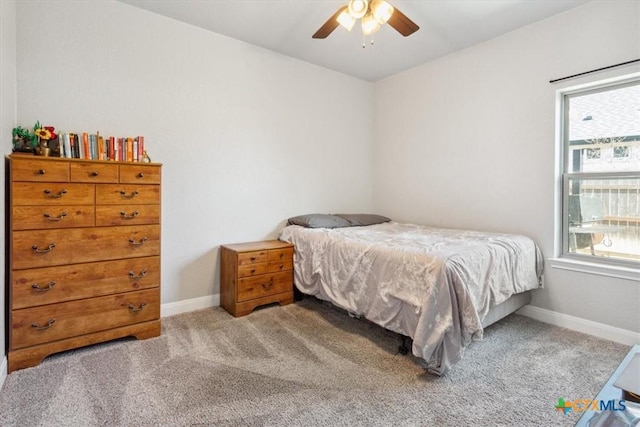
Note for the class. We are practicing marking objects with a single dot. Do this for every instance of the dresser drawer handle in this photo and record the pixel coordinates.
(268, 286)
(281, 255)
(135, 276)
(55, 218)
(134, 309)
(41, 171)
(55, 196)
(140, 175)
(49, 248)
(94, 173)
(37, 327)
(253, 270)
(36, 287)
(281, 266)
(129, 196)
(140, 243)
(133, 214)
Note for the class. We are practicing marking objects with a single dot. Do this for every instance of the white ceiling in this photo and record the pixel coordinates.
(286, 26)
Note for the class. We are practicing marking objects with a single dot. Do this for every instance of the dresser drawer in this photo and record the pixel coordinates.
(264, 285)
(93, 172)
(250, 258)
(29, 169)
(127, 214)
(52, 193)
(139, 174)
(40, 286)
(45, 248)
(47, 217)
(53, 322)
(119, 194)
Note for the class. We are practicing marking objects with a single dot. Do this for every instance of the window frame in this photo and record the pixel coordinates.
(628, 269)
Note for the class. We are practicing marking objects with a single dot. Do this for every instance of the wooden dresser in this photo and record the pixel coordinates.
(84, 254)
(254, 274)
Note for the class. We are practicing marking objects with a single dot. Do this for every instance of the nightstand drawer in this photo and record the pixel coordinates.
(280, 254)
(283, 265)
(249, 258)
(253, 269)
(264, 285)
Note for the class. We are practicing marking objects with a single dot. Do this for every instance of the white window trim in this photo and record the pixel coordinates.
(559, 261)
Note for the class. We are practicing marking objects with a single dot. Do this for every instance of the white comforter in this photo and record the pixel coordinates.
(433, 285)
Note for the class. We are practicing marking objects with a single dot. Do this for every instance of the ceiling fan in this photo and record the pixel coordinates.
(372, 14)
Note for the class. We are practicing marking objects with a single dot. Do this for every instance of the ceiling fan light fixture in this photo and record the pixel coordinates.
(381, 11)
(369, 24)
(358, 8)
(346, 20)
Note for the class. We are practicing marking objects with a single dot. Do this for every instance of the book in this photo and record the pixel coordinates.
(129, 148)
(84, 147)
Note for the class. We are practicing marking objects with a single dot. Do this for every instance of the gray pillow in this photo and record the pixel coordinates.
(318, 221)
(363, 219)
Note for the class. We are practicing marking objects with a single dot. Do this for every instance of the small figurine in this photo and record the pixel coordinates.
(145, 157)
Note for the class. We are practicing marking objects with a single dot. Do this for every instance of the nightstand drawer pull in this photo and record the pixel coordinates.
(134, 309)
(94, 173)
(49, 324)
(140, 175)
(129, 196)
(140, 243)
(253, 258)
(49, 248)
(41, 171)
(55, 218)
(268, 286)
(55, 196)
(135, 276)
(36, 287)
(129, 216)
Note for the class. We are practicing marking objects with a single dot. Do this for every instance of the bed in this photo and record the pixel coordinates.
(439, 287)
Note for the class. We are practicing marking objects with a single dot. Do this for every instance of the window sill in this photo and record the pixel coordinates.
(618, 272)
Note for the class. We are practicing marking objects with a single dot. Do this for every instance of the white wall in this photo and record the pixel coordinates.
(470, 140)
(7, 122)
(247, 137)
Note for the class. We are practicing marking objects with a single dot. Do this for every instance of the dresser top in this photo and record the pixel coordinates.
(257, 246)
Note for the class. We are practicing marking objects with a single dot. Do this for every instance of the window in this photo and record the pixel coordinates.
(600, 161)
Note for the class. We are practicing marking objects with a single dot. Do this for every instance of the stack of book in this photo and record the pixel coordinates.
(97, 147)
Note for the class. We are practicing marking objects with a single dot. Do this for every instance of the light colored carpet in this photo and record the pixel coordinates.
(308, 364)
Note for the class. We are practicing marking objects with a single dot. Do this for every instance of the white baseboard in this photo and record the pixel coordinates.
(3, 371)
(172, 308)
(589, 327)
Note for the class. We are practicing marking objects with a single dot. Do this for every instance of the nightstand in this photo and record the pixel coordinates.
(255, 274)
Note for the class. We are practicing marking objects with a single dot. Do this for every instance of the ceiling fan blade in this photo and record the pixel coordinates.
(328, 27)
(402, 24)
